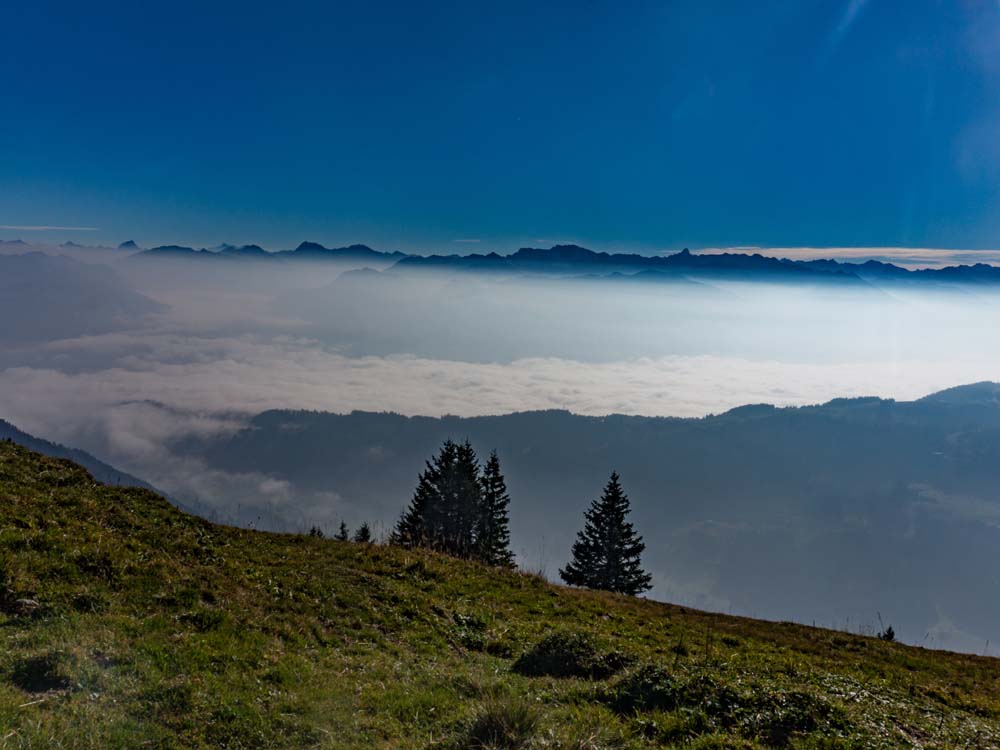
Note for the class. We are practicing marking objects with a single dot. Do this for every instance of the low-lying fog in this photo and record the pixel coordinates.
(128, 357)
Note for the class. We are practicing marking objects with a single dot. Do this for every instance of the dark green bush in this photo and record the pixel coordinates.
(570, 655)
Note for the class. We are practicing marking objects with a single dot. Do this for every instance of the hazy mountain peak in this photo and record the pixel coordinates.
(985, 393)
(309, 247)
(128, 245)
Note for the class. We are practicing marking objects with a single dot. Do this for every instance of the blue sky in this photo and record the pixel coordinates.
(637, 125)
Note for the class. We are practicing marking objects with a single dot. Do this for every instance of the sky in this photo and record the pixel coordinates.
(471, 126)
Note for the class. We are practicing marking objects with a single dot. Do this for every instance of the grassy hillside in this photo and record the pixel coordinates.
(128, 624)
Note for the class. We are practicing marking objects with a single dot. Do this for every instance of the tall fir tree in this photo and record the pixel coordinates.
(443, 512)
(465, 503)
(606, 554)
(416, 526)
(341, 534)
(492, 529)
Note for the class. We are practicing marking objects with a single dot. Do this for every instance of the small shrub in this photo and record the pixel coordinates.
(888, 634)
(501, 724)
(569, 655)
(470, 631)
(778, 717)
(647, 689)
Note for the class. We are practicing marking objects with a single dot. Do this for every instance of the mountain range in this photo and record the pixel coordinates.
(573, 260)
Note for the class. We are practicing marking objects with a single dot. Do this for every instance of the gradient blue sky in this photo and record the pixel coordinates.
(636, 125)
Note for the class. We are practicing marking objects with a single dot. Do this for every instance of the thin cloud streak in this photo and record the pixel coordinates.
(851, 13)
(46, 228)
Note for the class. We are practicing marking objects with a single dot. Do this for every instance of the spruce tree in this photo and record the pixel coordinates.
(606, 552)
(341, 534)
(419, 525)
(492, 529)
(363, 534)
(443, 512)
(465, 504)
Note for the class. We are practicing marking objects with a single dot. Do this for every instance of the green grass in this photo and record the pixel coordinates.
(156, 629)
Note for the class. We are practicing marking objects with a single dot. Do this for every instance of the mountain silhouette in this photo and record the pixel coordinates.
(574, 260)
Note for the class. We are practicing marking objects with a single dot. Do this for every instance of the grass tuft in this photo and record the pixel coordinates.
(501, 723)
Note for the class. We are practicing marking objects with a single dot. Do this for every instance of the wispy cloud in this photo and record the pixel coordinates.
(468, 239)
(851, 13)
(46, 228)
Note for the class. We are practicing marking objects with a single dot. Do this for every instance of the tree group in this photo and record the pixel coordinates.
(459, 508)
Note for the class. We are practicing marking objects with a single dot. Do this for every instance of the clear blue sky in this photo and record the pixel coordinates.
(643, 125)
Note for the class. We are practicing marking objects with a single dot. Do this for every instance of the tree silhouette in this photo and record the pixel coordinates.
(457, 509)
(607, 550)
(492, 529)
(443, 511)
(341, 534)
(421, 523)
(363, 534)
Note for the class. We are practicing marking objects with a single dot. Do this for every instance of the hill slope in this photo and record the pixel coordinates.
(127, 623)
(101, 471)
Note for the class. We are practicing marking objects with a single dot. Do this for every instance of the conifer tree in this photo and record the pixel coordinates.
(363, 534)
(607, 551)
(446, 508)
(492, 529)
(341, 534)
(465, 504)
(422, 521)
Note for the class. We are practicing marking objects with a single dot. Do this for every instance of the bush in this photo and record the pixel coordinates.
(888, 634)
(569, 655)
(648, 689)
(501, 724)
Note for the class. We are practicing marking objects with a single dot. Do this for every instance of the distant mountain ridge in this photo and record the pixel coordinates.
(306, 251)
(562, 259)
(575, 260)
